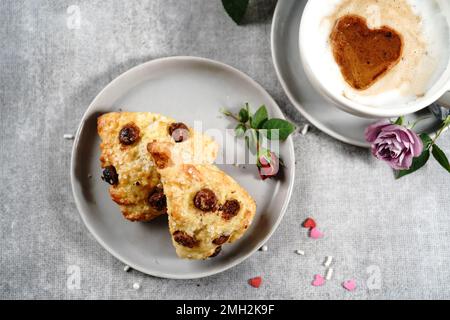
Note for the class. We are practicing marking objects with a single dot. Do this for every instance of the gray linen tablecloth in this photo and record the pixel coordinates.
(393, 237)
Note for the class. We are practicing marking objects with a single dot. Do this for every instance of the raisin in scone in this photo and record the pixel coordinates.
(128, 166)
(206, 207)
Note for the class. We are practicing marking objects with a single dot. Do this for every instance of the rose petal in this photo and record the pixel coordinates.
(372, 131)
(417, 147)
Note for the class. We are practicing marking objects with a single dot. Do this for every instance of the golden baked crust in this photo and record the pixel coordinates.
(137, 176)
(201, 225)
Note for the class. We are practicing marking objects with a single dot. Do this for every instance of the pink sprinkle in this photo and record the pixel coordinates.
(318, 280)
(349, 285)
(315, 233)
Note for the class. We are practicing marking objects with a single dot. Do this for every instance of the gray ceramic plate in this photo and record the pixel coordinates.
(316, 109)
(188, 89)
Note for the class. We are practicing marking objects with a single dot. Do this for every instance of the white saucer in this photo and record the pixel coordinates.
(316, 109)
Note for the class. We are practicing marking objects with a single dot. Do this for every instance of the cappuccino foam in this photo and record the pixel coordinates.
(425, 56)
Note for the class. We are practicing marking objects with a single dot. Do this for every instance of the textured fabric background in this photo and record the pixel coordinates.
(375, 227)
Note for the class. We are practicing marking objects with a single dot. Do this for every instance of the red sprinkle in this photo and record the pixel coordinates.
(309, 223)
(255, 282)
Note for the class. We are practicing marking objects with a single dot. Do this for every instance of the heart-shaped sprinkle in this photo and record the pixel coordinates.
(318, 280)
(255, 282)
(309, 223)
(349, 285)
(315, 233)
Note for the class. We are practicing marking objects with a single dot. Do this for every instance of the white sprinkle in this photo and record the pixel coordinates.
(136, 286)
(126, 268)
(300, 252)
(329, 274)
(264, 248)
(69, 136)
(305, 129)
(328, 261)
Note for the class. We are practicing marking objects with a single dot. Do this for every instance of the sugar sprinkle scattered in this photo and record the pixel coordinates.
(255, 282)
(318, 280)
(264, 248)
(305, 129)
(328, 261)
(349, 285)
(68, 136)
(315, 233)
(136, 286)
(329, 274)
(309, 223)
(300, 252)
(126, 268)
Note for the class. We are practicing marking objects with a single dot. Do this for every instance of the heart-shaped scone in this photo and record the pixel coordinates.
(206, 207)
(128, 167)
(364, 55)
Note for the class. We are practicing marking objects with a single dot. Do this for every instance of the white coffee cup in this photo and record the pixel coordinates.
(312, 48)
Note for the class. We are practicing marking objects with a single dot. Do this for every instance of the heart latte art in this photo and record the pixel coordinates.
(364, 55)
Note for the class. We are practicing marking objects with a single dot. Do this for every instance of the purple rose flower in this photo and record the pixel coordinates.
(394, 144)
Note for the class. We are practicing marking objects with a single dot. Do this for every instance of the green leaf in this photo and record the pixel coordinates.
(399, 121)
(247, 108)
(236, 9)
(440, 156)
(225, 112)
(446, 122)
(243, 115)
(426, 140)
(258, 119)
(417, 163)
(240, 129)
(285, 128)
